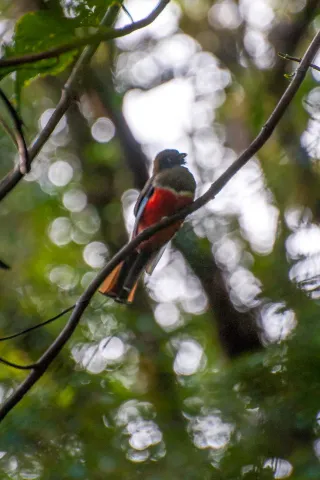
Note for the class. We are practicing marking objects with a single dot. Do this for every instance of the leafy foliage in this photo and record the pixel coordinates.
(213, 373)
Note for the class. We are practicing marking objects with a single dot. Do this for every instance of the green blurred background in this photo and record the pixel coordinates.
(214, 371)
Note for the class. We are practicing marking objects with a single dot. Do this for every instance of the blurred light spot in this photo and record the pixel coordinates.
(245, 288)
(95, 254)
(64, 276)
(167, 286)
(103, 130)
(33, 471)
(128, 201)
(136, 456)
(306, 274)
(195, 304)
(316, 446)
(259, 48)
(282, 468)
(297, 217)
(37, 168)
(312, 103)
(259, 222)
(167, 315)
(87, 279)
(45, 117)
(80, 237)
(228, 253)
(88, 356)
(60, 173)
(175, 51)
(112, 348)
(60, 231)
(258, 13)
(87, 220)
(143, 71)
(277, 321)
(143, 434)
(75, 200)
(133, 409)
(210, 431)
(224, 14)
(189, 358)
(306, 241)
(165, 24)
(172, 101)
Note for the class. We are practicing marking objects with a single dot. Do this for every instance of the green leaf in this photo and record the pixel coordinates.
(38, 32)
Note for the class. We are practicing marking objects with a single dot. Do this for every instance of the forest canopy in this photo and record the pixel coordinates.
(213, 371)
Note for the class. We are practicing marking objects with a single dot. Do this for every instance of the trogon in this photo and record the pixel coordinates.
(170, 188)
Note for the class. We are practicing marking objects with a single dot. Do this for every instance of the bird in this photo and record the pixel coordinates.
(170, 188)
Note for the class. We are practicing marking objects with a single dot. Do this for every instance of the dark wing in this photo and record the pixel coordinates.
(143, 198)
(4, 265)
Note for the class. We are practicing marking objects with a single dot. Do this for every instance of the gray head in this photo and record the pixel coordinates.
(167, 159)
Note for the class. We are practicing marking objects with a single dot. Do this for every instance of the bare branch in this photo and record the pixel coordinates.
(88, 40)
(24, 163)
(285, 56)
(14, 177)
(39, 325)
(32, 366)
(215, 188)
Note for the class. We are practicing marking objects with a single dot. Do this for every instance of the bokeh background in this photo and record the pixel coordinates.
(213, 372)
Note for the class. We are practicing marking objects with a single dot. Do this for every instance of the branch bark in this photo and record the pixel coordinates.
(44, 362)
(88, 40)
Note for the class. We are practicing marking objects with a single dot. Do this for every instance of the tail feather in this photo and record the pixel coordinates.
(110, 281)
(122, 282)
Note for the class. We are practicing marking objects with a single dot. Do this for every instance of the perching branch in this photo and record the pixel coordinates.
(88, 40)
(51, 353)
(14, 177)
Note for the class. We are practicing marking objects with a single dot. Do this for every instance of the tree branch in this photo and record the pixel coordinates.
(35, 327)
(285, 56)
(51, 353)
(17, 135)
(14, 177)
(88, 40)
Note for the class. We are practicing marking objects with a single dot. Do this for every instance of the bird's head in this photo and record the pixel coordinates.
(168, 159)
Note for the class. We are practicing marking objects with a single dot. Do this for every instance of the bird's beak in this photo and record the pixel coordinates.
(182, 156)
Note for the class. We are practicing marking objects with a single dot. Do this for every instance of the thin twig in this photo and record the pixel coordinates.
(14, 177)
(88, 40)
(215, 188)
(24, 162)
(285, 56)
(32, 366)
(39, 325)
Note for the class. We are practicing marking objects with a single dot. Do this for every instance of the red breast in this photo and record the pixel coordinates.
(163, 203)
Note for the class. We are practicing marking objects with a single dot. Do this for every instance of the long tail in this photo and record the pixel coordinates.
(122, 282)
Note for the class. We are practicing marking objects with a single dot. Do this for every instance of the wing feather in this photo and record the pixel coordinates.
(142, 201)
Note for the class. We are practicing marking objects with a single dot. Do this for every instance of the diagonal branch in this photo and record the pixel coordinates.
(84, 300)
(88, 40)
